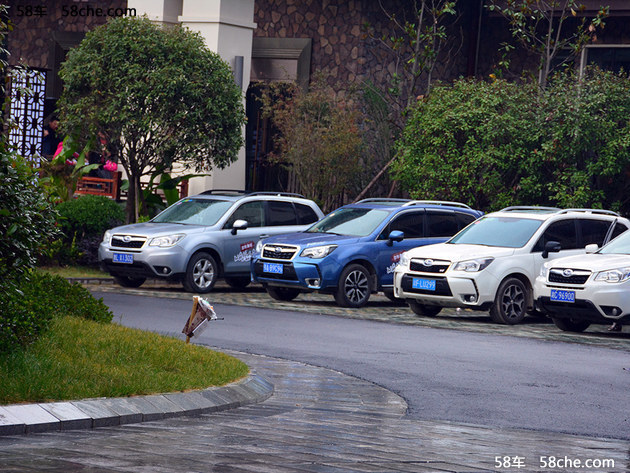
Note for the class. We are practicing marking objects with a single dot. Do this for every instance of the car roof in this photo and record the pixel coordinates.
(236, 195)
(545, 213)
(396, 204)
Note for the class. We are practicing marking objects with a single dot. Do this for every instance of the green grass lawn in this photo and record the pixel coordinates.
(74, 271)
(80, 359)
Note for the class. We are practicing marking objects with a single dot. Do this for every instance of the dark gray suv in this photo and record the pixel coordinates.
(203, 237)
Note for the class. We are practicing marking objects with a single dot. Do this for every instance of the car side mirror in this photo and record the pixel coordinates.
(592, 248)
(395, 235)
(238, 225)
(551, 247)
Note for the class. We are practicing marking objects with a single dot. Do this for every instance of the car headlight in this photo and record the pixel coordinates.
(107, 236)
(404, 259)
(614, 275)
(318, 252)
(259, 246)
(166, 241)
(473, 265)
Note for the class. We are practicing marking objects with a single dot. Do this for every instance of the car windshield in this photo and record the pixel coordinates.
(350, 221)
(618, 246)
(508, 232)
(194, 212)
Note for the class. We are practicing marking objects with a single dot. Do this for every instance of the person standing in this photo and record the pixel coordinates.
(51, 138)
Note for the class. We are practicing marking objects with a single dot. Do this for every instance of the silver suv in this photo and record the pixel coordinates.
(202, 237)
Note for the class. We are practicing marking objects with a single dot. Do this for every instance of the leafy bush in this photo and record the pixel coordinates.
(89, 215)
(83, 221)
(26, 219)
(492, 144)
(23, 317)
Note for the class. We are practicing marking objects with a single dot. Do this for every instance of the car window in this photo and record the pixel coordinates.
(618, 246)
(410, 223)
(350, 221)
(441, 224)
(194, 212)
(464, 220)
(593, 231)
(252, 212)
(305, 214)
(564, 232)
(280, 213)
(508, 232)
(619, 229)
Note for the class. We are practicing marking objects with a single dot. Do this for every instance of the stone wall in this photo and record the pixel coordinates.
(35, 22)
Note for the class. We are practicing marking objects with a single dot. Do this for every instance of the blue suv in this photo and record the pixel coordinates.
(352, 252)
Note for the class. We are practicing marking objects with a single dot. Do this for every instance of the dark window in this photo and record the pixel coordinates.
(594, 231)
(464, 220)
(619, 229)
(281, 213)
(442, 224)
(305, 214)
(562, 232)
(410, 223)
(252, 212)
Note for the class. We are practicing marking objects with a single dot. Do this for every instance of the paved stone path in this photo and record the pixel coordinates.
(318, 420)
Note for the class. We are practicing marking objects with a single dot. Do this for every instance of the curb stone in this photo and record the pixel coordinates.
(19, 419)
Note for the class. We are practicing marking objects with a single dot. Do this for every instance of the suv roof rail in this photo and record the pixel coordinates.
(529, 208)
(225, 191)
(282, 194)
(382, 200)
(244, 192)
(591, 211)
(437, 202)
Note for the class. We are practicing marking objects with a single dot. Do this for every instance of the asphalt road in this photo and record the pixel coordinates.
(478, 378)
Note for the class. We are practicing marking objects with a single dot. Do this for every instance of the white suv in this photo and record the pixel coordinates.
(577, 291)
(492, 263)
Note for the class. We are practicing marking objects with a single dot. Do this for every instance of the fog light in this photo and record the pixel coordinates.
(314, 283)
(470, 298)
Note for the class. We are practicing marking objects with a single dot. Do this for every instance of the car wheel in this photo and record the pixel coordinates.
(510, 303)
(201, 273)
(238, 283)
(354, 287)
(125, 281)
(423, 310)
(571, 325)
(283, 293)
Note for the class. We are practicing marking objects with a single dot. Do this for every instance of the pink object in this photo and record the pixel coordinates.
(110, 166)
(59, 149)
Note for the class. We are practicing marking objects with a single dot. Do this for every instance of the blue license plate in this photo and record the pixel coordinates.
(562, 296)
(274, 268)
(425, 284)
(123, 258)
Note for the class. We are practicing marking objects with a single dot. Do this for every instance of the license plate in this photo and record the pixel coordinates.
(425, 284)
(274, 268)
(562, 296)
(123, 258)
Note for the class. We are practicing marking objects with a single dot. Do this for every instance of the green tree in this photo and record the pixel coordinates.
(468, 142)
(540, 26)
(319, 140)
(158, 94)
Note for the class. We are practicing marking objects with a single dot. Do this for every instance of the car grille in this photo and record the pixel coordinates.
(436, 266)
(558, 275)
(288, 272)
(279, 252)
(127, 241)
(441, 287)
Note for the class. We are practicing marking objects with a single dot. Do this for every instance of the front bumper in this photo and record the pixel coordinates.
(151, 262)
(596, 302)
(295, 273)
(471, 291)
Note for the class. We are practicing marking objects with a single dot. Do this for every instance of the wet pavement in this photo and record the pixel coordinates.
(320, 420)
